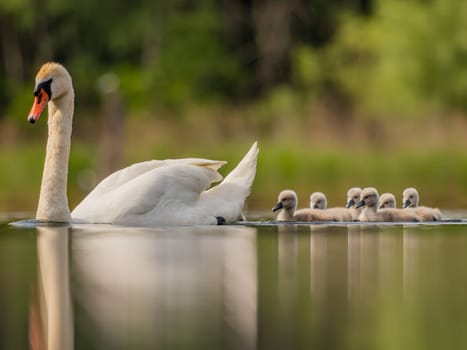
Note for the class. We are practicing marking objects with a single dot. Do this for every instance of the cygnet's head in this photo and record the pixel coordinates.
(368, 197)
(287, 200)
(387, 200)
(318, 200)
(410, 198)
(353, 197)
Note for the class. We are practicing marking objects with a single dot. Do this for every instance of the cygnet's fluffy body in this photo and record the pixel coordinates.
(369, 201)
(287, 207)
(410, 199)
(318, 201)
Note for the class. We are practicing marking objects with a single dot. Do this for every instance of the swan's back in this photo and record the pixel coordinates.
(129, 174)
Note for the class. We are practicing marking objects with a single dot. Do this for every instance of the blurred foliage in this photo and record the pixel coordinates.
(407, 58)
(165, 52)
(376, 56)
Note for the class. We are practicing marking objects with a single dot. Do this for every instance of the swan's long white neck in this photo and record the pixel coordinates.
(53, 202)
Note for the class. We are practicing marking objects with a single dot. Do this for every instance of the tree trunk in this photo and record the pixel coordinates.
(271, 23)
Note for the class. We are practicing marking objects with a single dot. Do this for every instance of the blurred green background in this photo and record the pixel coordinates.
(339, 93)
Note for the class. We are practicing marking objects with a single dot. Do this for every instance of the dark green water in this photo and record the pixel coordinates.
(234, 287)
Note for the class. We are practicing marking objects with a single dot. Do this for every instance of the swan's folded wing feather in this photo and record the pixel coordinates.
(118, 178)
(177, 181)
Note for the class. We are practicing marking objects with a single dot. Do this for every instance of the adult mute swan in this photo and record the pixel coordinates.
(156, 192)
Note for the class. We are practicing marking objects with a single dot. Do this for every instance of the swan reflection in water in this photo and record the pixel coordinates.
(51, 316)
(161, 287)
(234, 287)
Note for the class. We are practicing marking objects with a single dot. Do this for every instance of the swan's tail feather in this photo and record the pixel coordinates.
(230, 195)
(245, 172)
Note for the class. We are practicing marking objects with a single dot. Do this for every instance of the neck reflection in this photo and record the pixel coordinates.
(51, 319)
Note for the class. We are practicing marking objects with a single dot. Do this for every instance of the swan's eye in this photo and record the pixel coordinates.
(45, 85)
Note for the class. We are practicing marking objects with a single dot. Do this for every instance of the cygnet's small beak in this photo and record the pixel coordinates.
(360, 204)
(350, 203)
(406, 204)
(277, 207)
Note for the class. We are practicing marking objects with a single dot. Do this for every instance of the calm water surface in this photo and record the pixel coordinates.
(234, 287)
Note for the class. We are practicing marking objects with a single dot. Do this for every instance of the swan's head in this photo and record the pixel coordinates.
(52, 82)
(387, 200)
(368, 197)
(318, 200)
(353, 196)
(410, 198)
(287, 200)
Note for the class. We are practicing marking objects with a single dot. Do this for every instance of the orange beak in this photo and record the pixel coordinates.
(40, 101)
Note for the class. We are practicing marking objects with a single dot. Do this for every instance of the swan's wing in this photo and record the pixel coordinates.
(140, 189)
(122, 176)
(178, 183)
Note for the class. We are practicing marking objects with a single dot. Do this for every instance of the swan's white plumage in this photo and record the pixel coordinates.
(170, 192)
(156, 192)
